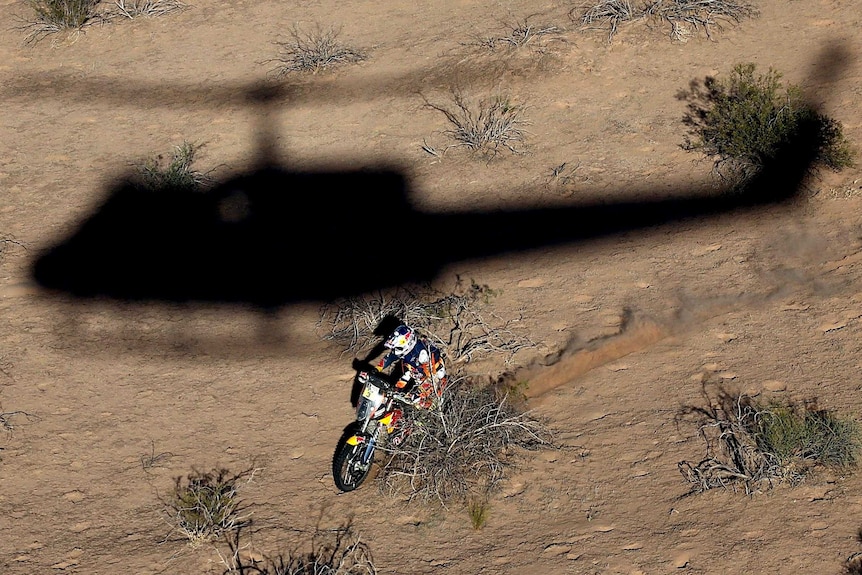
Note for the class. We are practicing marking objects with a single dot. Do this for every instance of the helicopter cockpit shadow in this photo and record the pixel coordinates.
(265, 239)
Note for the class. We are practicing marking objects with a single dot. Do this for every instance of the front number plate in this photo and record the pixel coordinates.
(370, 391)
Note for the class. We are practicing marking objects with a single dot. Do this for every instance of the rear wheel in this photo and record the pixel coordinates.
(347, 468)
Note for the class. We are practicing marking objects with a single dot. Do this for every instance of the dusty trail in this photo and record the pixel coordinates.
(641, 333)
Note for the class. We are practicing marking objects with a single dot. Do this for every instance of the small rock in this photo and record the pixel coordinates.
(80, 527)
(681, 561)
(550, 456)
(22, 558)
(74, 496)
(515, 488)
(774, 385)
(727, 375)
(557, 549)
(531, 283)
(633, 547)
(603, 528)
(726, 337)
(819, 526)
(573, 556)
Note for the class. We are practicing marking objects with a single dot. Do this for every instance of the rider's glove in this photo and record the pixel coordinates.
(405, 379)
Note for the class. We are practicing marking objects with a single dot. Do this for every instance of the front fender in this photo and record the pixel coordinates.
(355, 440)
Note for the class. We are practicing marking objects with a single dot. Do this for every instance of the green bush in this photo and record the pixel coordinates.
(757, 444)
(792, 434)
(63, 14)
(54, 16)
(176, 173)
(744, 121)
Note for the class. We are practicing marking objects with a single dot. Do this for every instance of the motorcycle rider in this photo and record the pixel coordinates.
(423, 373)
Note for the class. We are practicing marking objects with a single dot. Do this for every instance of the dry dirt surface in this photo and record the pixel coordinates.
(105, 403)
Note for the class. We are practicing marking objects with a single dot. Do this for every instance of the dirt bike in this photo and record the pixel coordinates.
(376, 412)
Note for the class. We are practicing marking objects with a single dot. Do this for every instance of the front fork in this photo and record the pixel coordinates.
(368, 454)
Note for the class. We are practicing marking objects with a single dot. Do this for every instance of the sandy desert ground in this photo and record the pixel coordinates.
(767, 301)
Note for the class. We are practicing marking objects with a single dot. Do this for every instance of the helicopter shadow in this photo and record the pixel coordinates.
(276, 236)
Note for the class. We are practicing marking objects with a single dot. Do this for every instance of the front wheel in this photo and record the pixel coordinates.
(347, 468)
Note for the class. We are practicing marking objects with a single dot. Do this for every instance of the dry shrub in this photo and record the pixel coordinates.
(461, 450)
(205, 505)
(757, 445)
(52, 16)
(6, 418)
(459, 322)
(606, 15)
(338, 551)
(150, 8)
(313, 51)
(685, 17)
(521, 33)
(688, 16)
(853, 565)
(486, 125)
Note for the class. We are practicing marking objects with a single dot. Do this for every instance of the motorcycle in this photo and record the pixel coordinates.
(376, 414)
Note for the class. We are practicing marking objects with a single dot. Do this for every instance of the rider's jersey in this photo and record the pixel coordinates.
(423, 361)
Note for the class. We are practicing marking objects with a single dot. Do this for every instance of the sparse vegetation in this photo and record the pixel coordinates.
(742, 122)
(758, 444)
(7, 416)
(338, 551)
(313, 51)
(485, 125)
(853, 565)
(153, 459)
(205, 505)
(521, 33)
(478, 507)
(135, 8)
(686, 17)
(463, 448)
(175, 172)
(469, 330)
(52, 16)
(606, 15)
